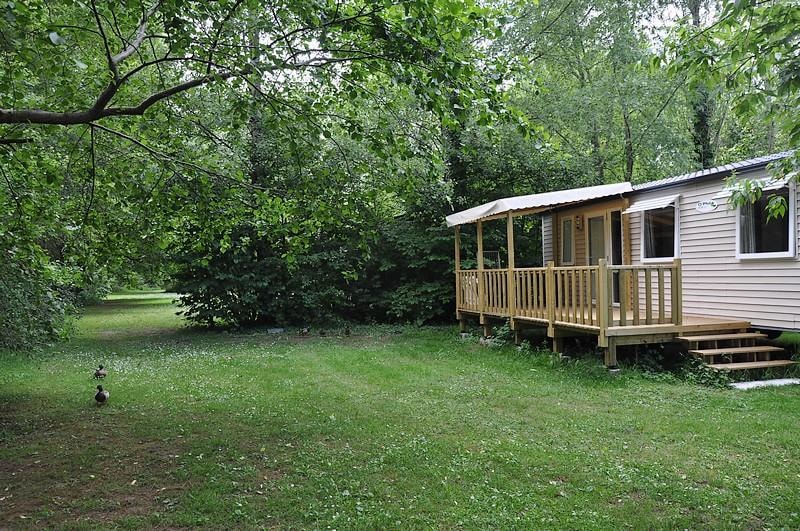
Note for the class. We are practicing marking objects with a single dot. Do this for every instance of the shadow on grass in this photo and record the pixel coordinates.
(80, 465)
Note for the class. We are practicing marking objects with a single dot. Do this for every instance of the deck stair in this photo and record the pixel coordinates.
(736, 351)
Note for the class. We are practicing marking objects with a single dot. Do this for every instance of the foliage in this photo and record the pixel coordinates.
(608, 117)
(751, 48)
(694, 370)
(34, 304)
(167, 103)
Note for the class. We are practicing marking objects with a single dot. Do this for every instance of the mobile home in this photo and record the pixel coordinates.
(661, 261)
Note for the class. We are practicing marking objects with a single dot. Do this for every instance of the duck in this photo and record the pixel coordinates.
(304, 331)
(100, 373)
(102, 396)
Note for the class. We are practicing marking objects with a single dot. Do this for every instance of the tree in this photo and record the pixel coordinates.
(584, 80)
(123, 125)
(750, 49)
(702, 99)
(114, 60)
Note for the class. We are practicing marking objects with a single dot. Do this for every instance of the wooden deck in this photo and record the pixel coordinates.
(621, 305)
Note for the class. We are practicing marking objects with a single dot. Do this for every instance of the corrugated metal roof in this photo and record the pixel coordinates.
(725, 169)
(534, 201)
(563, 197)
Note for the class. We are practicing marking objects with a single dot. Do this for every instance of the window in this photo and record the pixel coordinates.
(760, 237)
(659, 233)
(567, 243)
(660, 227)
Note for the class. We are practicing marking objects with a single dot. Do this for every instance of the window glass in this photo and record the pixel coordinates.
(566, 241)
(757, 234)
(659, 232)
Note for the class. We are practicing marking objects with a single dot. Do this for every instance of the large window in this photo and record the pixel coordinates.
(761, 237)
(567, 242)
(659, 233)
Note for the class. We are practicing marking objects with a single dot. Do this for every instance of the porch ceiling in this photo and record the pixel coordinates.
(536, 202)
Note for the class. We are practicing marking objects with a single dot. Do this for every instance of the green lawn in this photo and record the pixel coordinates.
(381, 429)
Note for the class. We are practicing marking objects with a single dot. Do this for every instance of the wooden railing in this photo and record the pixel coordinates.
(575, 297)
(642, 294)
(467, 297)
(495, 282)
(590, 297)
(531, 292)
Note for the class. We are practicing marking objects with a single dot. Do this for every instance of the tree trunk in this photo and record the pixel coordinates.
(597, 155)
(258, 171)
(628, 144)
(771, 136)
(702, 106)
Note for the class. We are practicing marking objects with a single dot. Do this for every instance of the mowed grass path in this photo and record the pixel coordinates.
(377, 430)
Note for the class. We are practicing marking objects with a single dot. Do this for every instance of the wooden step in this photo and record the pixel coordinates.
(751, 365)
(728, 351)
(724, 337)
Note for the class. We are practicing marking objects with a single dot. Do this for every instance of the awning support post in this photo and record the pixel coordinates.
(481, 279)
(511, 290)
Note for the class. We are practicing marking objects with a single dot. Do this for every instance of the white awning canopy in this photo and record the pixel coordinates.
(652, 204)
(766, 185)
(536, 202)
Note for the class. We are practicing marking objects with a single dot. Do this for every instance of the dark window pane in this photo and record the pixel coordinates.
(756, 234)
(659, 233)
(616, 249)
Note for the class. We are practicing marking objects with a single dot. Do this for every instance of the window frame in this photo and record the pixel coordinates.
(791, 214)
(571, 221)
(676, 252)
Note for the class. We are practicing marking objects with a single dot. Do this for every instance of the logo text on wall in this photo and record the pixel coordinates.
(707, 205)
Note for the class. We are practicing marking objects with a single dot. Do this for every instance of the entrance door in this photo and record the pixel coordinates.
(605, 241)
(597, 239)
(597, 243)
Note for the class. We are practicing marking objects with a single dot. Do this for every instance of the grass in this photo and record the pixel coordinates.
(790, 341)
(377, 430)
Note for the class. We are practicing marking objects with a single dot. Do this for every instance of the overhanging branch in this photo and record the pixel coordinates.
(97, 112)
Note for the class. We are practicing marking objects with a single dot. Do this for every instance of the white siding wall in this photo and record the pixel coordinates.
(715, 282)
(547, 239)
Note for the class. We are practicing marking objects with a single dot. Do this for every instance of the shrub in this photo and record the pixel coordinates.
(34, 306)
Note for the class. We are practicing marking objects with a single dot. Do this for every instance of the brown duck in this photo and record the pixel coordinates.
(102, 396)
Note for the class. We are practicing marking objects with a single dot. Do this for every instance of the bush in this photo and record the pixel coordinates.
(694, 370)
(400, 273)
(33, 308)
(250, 282)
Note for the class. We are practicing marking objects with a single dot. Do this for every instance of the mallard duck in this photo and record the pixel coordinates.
(100, 373)
(347, 331)
(102, 396)
(304, 331)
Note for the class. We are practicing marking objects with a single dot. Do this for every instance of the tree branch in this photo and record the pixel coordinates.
(98, 110)
(111, 64)
(213, 47)
(172, 160)
(141, 33)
